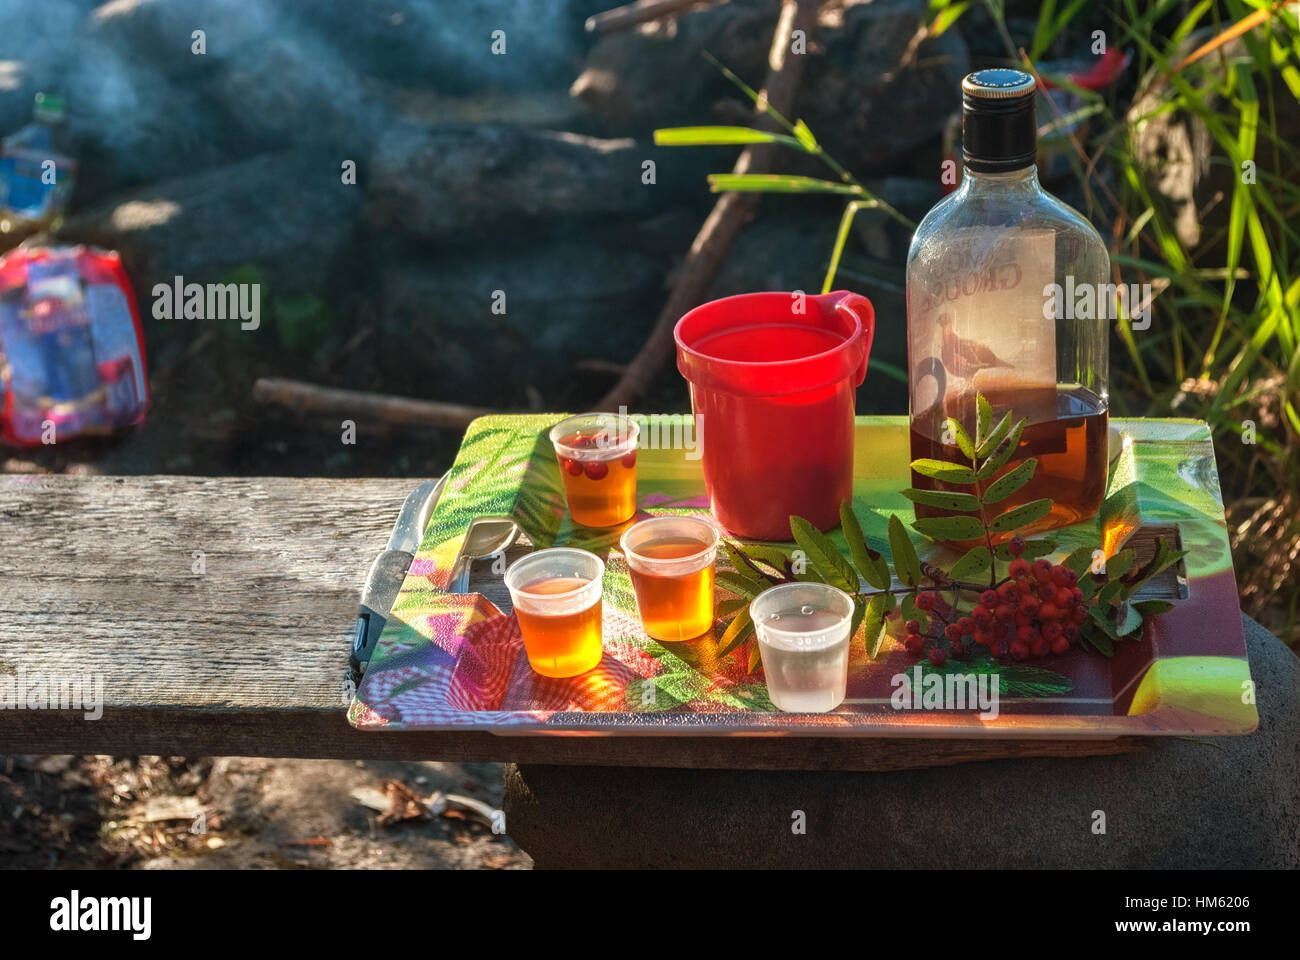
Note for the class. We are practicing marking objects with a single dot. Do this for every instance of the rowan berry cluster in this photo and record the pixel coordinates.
(1038, 608)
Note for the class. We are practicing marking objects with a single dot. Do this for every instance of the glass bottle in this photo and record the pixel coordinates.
(1007, 295)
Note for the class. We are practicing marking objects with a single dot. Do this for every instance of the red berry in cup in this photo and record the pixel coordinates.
(573, 467)
(952, 633)
(989, 598)
(1052, 629)
(925, 601)
(965, 625)
(1016, 545)
(914, 645)
(983, 636)
(1018, 568)
(1026, 634)
(1062, 597)
(981, 616)
(1004, 611)
(629, 460)
(912, 626)
(1019, 650)
(1029, 607)
(1060, 645)
(1009, 592)
(1048, 611)
(938, 657)
(1042, 569)
(1079, 614)
(595, 469)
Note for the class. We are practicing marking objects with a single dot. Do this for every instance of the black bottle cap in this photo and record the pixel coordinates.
(998, 129)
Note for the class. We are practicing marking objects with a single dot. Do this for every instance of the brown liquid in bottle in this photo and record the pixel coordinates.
(1067, 432)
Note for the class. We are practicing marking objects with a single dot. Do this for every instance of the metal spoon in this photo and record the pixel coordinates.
(485, 537)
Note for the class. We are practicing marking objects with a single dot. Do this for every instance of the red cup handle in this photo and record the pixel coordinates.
(865, 313)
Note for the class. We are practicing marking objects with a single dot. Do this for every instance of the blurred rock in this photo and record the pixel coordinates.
(130, 124)
(287, 214)
(420, 42)
(445, 183)
(657, 76)
(161, 33)
(291, 89)
(867, 106)
(565, 300)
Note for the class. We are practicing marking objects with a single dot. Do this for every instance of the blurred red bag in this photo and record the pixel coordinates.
(72, 357)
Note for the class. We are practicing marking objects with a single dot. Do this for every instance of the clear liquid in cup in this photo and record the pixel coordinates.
(805, 674)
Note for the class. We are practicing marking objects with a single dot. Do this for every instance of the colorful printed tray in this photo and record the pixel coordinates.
(457, 662)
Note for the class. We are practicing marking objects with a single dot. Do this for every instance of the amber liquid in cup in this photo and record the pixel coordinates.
(560, 645)
(600, 493)
(670, 560)
(597, 457)
(674, 608)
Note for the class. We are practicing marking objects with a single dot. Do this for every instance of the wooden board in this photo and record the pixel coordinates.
(249, 657)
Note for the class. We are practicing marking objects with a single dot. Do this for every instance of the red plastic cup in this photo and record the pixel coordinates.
(772, 388)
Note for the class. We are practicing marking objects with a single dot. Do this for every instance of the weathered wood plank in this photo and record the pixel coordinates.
(248, 658)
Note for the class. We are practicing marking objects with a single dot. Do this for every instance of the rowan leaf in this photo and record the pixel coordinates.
(1011, 481)
(874, 623)
(726, 608)
(739, 584)
(950, 528)
(944, 499)
(944, 470)
(1153, 608)
(1080, 560)
(990, 442)
(870, 563)
(830, 563)
(1021, 516)
(1120, 564)
(983, 417)
(906, 563)
(745, 566)
(962, 438)
(1003, 453)
(735, 634)
(973, 562)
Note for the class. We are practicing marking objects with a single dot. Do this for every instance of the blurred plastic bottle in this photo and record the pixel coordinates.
(36, 174)
(71, 346)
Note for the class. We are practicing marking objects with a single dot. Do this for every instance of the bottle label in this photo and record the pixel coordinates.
(978, 326)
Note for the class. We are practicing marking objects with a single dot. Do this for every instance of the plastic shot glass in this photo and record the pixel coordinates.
(803, 637)
(671, 563)
(597, 455)
(556, 593)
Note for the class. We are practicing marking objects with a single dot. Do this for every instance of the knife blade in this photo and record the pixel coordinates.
(388, 571)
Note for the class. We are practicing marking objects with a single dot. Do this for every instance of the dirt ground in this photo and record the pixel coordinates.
(149, 813)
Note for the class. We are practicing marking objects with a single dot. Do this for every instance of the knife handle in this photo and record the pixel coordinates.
(458, 582)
